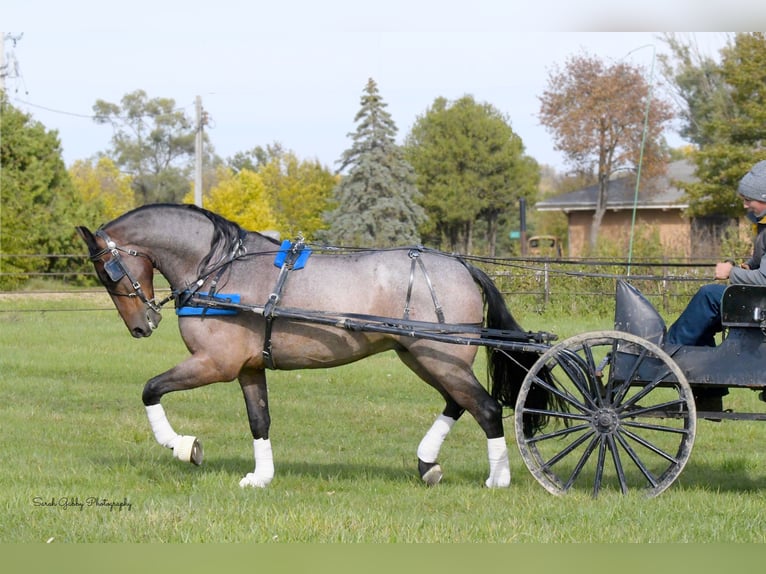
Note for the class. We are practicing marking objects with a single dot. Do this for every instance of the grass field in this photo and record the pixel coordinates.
(79, 462)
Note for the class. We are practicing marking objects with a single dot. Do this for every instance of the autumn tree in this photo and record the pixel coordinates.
(729, 121)
(605, 118)
(300, 191)
(153, 141)
(470, 167)
(102, 186)
(376, 200)
(242, 197)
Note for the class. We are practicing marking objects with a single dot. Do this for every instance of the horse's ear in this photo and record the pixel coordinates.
(88, 238)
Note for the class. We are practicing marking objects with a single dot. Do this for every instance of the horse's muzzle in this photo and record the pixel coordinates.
(152, 322)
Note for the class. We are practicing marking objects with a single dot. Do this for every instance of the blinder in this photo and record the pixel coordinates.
(114, 269)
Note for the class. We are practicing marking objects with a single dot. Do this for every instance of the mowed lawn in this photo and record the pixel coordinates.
(79, 462)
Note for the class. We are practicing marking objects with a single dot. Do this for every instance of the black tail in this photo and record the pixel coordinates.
(507, 369)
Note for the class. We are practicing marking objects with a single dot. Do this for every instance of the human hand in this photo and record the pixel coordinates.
(723, 269)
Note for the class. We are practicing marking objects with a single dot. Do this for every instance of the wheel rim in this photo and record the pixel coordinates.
(624, 421)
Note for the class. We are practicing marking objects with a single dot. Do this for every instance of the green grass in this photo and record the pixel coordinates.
(74, 429)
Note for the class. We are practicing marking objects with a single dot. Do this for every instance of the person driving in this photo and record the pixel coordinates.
(701, 320)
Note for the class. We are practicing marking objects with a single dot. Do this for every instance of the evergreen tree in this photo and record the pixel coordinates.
(377, 199)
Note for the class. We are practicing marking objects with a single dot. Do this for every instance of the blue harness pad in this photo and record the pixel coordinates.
(284, 249)
(200, 308)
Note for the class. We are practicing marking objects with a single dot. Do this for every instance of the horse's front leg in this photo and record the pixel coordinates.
(195, 371)
(255, 391)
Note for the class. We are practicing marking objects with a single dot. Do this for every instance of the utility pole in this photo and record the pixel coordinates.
(2, 62)
(8, 69)
(198, 154)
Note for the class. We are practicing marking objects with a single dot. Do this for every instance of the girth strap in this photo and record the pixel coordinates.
(414, 255)
(291, 256)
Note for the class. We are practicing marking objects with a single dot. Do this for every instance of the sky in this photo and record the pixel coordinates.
(294, 71)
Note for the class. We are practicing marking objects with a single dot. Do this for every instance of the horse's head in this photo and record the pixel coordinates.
(128, 277)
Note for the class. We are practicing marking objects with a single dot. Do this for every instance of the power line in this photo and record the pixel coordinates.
(47, 109)
(77, 115)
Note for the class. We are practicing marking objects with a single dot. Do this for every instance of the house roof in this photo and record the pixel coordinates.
(657, 193)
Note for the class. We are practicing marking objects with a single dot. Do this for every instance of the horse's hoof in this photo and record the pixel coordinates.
(255, 481)
(430, 472)
(188, 449)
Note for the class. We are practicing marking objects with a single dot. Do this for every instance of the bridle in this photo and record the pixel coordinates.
(116, 270)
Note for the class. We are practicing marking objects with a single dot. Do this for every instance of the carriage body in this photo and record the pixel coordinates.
(736, 362)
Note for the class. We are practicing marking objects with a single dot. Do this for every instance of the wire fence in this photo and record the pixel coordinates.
(561, 285)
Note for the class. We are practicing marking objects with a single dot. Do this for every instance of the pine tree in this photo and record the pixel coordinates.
(377, 199)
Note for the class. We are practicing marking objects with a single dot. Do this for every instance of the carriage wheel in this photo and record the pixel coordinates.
(624, 416)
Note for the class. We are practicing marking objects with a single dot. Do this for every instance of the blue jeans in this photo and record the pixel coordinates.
(701, 319)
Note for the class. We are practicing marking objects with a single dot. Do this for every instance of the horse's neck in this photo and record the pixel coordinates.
(177, 251)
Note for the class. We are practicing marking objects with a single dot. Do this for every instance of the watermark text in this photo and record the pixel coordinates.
(77, 503)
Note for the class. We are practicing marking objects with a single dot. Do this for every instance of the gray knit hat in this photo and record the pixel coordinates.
(753, 185)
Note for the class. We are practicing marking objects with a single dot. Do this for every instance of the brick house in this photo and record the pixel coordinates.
(660, 206)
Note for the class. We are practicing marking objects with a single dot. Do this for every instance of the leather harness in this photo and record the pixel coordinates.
(291, 257)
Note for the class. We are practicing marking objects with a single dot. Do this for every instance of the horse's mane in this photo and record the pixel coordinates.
(227, 235)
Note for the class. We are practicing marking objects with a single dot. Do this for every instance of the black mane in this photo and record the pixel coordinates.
(227, 235)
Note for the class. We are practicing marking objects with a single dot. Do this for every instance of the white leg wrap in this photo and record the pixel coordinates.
(264, 465)
(499, 467)
(428, 449)
(161, 428)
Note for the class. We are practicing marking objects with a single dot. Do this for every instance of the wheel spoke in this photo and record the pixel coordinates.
(627, 412)
(599, 466)
(591, 374)
(575, 372)
(636, 460)
(654, 427)
(617, 463)
(632, 374)
(560, 391)
(655, 449)
(568, 449)
(581, 463)
(557, 434)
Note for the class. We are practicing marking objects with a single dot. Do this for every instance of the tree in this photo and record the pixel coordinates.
(698, 84)
(470, 166)
(241, 197)
(732, 134)
(40, 208)
(377, 200)
(602, 117)
(153, 141)
(103, 187)
(300, 192)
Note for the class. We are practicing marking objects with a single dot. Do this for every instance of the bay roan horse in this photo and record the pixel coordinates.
(199, 252)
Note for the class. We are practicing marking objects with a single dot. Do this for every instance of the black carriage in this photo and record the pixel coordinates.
(626, 415)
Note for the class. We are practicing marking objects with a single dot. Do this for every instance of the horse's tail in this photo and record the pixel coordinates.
(507, 369)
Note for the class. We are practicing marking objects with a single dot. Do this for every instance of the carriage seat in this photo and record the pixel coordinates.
(744, 306)
(634, 314)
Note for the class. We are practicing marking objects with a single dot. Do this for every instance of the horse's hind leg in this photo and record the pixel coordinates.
(255, 391)
(428, 449)
(454, 379)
